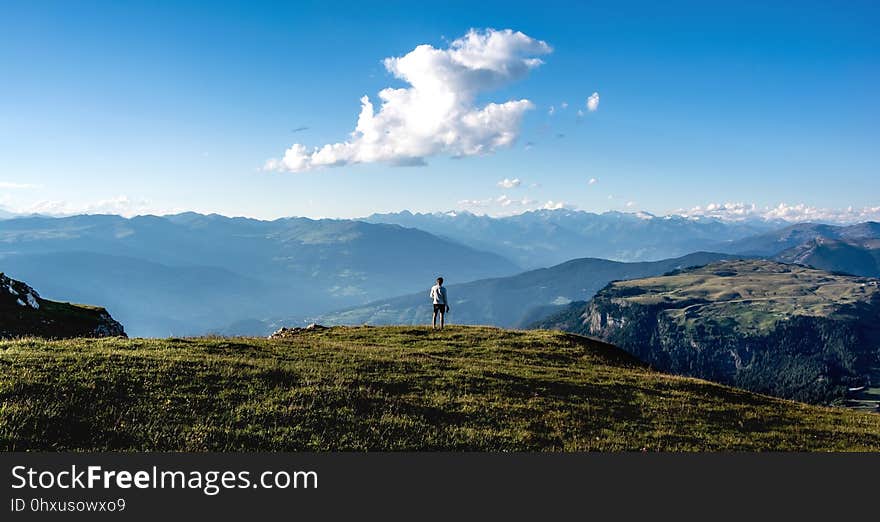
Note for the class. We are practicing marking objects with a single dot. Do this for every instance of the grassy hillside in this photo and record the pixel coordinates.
(754, 295)
(387, 388)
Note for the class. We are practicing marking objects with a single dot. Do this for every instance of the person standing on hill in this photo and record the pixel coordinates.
(441, 304)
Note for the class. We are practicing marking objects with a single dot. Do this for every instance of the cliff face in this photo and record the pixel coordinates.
(778, 329)
(23, 313)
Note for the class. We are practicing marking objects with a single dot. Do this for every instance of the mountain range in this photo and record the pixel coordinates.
(544, 238)
(519, 300)
(187, 274)
(191, 274)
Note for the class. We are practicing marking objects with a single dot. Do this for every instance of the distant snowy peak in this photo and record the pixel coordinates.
(711, 214)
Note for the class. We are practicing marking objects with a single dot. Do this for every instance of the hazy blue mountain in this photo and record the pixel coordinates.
(189, 273)
(861, 231)
(518, 300)
(853, 249)
(776, 241)
(836, 256)
(548, 237)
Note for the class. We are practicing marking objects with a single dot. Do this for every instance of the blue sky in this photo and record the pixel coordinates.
(131, 107)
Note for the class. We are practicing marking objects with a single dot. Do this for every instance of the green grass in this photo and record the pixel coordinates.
(388, 388)
(755, 293)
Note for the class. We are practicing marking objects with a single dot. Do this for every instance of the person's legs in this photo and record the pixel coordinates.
(434, 320)
(442, 318)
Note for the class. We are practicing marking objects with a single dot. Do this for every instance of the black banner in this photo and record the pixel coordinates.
(414, 486)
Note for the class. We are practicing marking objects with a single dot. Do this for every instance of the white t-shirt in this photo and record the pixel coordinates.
(438, 294)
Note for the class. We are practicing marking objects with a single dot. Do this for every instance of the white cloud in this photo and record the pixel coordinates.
(580, 113)
(725, 211)
(9, 185)
(592, 181)
(630, 204)
(437, 112)
(509, 183)
(593, 102)
(505, 201)
(501, 201)
(802, 212)
(504, 205)
(554, 205)
(119, 205)
(796, 213)
(551, 111)
(474, 203)
(563, 105)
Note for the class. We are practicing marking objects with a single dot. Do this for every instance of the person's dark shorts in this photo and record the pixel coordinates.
(440, 308)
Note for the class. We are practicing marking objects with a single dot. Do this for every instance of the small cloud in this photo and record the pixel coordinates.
(505, 201)
(592, 181)
(610, 196)
(593, 102)
(529, 145)
(563, 105)
(580, 113)
(509, 183)
(299, 129)
(506, 205)
(630, 204)
(553, 205)
(551, 111)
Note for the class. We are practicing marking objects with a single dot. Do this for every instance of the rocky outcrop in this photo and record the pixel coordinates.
(23, 313)
(285, 332)
(107, 326)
